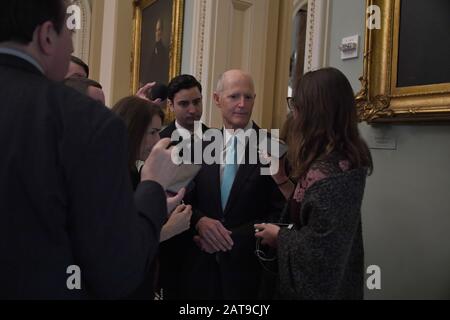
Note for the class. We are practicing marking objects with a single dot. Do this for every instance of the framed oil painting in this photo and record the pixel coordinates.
(157, 41)
(406, 63)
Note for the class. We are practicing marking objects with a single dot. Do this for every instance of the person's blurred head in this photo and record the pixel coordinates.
(184, 96)
(77, 68)
(143, 120)
(88, 87)
(158, 30)
(235, 97)
(158, 92)
(325, 121)
(38, 28)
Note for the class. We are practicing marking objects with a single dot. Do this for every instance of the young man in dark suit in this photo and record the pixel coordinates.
(227, 201)
(184, 99)
(70, 226)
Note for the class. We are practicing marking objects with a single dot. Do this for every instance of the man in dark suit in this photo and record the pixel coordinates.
(185, 100)
(227, 200)
(70, 227)
(184, 95)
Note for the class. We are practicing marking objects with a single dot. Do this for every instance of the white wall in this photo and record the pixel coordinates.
(187, 35)
(406, 211)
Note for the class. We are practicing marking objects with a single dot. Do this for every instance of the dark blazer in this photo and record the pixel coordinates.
(253, 198)
(167, 132)
(65, 193)
(173, 251)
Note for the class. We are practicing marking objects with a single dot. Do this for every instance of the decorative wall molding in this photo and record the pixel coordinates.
(317, 34)
(198, 38)
(203, 27)
(311, 28)
(108, 48)
(297, 5)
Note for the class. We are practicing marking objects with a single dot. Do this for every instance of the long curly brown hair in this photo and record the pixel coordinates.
(325, 122)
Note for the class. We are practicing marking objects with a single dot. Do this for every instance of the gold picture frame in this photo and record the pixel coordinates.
(381, 99)
(145, 22)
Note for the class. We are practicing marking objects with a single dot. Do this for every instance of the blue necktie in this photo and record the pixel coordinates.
(229, 173)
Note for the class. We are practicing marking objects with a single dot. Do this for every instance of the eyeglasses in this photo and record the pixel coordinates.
(290, 103)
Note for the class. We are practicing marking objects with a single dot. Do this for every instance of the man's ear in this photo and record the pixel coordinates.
(170, 105)
(216, 98)
(46, 37)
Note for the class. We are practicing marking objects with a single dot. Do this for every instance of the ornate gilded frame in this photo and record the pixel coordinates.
(380, 100)
(175, 41)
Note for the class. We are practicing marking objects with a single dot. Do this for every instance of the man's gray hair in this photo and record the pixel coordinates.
(221, 80)
(219, 87)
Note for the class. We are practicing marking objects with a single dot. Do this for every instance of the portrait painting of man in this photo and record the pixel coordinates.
(157, 41)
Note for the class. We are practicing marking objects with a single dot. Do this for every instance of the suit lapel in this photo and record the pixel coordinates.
(213, 174)
(244, 172)
(167, 132)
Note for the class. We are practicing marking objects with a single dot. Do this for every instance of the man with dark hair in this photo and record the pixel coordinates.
(86, 86)
(70, 227)
(77, 67)
(41, 23)
(184, 95)
(184, 98)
